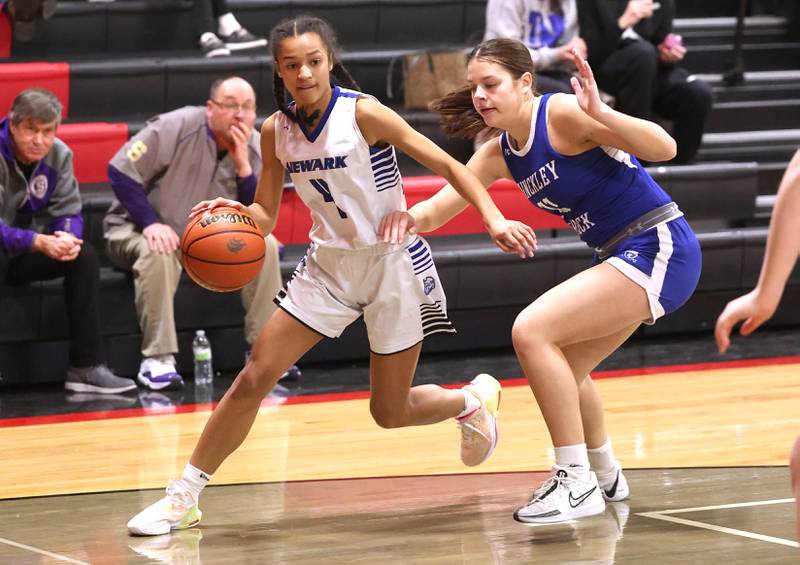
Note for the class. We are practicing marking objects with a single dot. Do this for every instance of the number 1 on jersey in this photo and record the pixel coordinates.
(322, 187)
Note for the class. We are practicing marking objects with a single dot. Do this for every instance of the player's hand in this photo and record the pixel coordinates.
(751, 308)
(161, 238)
(586, 90)
(395, 226)
(513, 237)
(207, 206)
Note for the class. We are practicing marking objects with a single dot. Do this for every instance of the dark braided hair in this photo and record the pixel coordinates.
(296, 27)
(555, 7)
(457, 115)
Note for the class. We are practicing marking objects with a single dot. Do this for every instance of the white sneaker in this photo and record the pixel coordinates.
(176, 511)
(178, 548)
(159, 373)
(614, 484)
(566, 495)
(213, 46)
(242, 39)
(479, 432)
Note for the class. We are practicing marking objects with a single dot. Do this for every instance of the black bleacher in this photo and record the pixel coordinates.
(145, 70)
(131, 59)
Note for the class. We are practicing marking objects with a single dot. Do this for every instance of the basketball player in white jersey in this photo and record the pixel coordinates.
(575, 157)
(338, 147)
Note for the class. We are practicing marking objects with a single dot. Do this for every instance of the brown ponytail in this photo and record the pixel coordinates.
(457, 114)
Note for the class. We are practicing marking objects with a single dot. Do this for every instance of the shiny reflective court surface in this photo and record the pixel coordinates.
(440, 519)
(318, 482)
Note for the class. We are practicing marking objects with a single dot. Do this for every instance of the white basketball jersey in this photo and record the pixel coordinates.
(348, 185)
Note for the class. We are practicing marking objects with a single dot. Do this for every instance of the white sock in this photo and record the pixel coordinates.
(602, 458)
(471, 403)
(227, 24)
(572, 455)
(194, 480)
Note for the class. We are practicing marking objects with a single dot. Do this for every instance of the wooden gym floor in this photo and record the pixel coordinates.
(705, 446)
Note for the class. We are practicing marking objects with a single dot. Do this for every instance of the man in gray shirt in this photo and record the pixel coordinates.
(191, 154)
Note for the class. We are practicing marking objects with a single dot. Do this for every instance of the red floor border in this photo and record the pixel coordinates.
(339, 396)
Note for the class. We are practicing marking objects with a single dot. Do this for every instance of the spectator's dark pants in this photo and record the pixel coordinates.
(643, 87)
(206, 13)
(81, 289)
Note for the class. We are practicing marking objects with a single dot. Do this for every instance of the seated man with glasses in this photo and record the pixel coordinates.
(181, 157)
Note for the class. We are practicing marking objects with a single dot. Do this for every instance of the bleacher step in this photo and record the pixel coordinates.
(754, 115)
(766, 145)
(770, 56)
(757, 29)
(142, 26)
(707, 8)
(784, 76)
(683, 25)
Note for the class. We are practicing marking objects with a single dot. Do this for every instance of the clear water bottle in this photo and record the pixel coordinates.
(204, 393)
(203, 369)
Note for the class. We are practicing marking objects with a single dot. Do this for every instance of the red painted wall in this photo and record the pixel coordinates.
(92, 146)
(16, 77)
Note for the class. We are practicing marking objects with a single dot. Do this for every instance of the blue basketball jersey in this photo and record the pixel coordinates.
(598, 192)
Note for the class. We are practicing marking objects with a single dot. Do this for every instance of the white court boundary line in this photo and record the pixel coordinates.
(664, 515)
(42, 552)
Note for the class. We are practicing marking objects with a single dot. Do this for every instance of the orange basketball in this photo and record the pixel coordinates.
(224, 251)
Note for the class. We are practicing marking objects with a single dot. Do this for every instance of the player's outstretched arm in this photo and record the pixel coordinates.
(585, 119)
(783, 247)
(430, 214)
(379, 124)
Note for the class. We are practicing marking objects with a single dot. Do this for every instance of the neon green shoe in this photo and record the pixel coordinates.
(479, 433)
(176, 511)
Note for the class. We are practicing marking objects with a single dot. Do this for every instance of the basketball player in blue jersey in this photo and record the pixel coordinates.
(572, 156)
(338, 147)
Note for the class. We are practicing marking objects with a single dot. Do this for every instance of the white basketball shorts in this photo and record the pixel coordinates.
(395, 287)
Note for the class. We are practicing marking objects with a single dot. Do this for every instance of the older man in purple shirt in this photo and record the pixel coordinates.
(41, 228)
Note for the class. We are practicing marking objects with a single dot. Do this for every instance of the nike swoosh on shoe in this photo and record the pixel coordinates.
(579, 500)
(613, 490)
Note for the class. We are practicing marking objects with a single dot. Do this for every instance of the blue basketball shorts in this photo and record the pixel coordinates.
(665, 261)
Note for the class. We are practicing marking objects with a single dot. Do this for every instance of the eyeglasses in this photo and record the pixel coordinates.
(233, 107)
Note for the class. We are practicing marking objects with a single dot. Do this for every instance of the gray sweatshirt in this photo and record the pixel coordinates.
(48, 201)
(532, 22)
